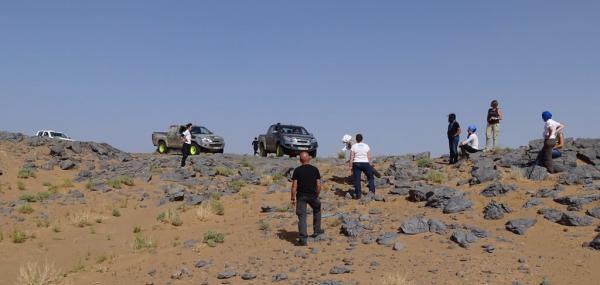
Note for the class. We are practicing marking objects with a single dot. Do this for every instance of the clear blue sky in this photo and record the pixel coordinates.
(114, 71)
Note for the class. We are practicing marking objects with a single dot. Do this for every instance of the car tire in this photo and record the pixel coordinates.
(194, 149)
(221, 151)
(162, 147)
(313, 153)
(262, 151)
(279, 151)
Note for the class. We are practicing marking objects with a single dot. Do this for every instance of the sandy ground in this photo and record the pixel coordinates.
(103, 252)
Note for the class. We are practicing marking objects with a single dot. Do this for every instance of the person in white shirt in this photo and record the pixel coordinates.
(471, 144)
(186, 138)
(360, 162)
(347, 141)
(551, 130)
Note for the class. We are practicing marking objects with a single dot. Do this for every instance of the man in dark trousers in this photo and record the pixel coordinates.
(186, 138)
(255, 146)
(453, 138)
(306, 187)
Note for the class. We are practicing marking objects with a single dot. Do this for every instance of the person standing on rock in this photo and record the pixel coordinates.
(453, 137)
(471, 144)
(493, 126)
(306, 187)
(255, 146)
(186, 138)
(551, 130)
(360, 162)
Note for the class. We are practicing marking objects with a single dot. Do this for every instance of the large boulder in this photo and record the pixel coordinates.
(595, 243)
(552, 215)
(457, 204)
(484, 170)
(581, 175)
(595, 212)
(463, 237)
(577, 202)
(66, 164)
(535, 173)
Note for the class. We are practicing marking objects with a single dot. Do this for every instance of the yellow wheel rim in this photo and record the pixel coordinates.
(193, 150)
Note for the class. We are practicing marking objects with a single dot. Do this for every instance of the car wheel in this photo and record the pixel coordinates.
(221, 151)
(279, 151)
(262, 150)
(313, 153)
(194, 150)
(162, 148)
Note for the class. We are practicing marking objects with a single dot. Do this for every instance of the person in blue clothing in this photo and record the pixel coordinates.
(453, 137)
(360, 162)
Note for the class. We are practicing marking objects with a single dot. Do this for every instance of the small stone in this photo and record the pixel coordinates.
(279, 277)
(398, 246)
(248, 276)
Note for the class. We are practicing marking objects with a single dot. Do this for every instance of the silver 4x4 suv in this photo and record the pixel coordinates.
(203, 140)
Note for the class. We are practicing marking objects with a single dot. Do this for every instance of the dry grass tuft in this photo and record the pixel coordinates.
(85, 218)
(203, 212)
(266, 180)
(38, 274)
(396, 279)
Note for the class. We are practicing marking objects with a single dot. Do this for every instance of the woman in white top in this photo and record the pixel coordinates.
(551, 130)
(186, 138)
(471, 144)
(360, 158)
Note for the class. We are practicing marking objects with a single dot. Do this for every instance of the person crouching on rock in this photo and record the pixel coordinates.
(186, 138)
(453, 138)
(471, 144)
(306, 187)
(551, 129)
(560, 143)
(360, 162)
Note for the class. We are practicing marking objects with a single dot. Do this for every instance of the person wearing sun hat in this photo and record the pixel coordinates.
(551, 130)
(471, 144)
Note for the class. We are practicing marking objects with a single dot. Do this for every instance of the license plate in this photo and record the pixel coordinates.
(303, 148)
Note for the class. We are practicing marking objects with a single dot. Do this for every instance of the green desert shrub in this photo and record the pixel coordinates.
(212, 238)
(435, 176)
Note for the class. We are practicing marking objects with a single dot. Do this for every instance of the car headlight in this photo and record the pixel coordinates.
(313, 140)
(206, 140)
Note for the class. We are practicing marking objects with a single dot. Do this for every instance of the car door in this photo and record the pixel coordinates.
(174, 137)
(272, 138)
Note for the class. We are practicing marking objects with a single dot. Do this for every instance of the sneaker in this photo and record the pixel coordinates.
(315, 235)
(301, 243)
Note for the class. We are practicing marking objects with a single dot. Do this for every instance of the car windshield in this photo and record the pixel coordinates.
(293, 130)
(58, 135)
(201, 131)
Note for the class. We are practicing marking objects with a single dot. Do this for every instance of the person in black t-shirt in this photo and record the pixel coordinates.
(306, 187)
(255, 146)
(453, 137)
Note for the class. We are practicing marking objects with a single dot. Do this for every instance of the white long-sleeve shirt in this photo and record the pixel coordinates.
(472, 141)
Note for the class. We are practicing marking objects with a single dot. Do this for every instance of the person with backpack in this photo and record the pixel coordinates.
(551, 130)
(186, 138)
(453, 138)
(493, 126)
(360, 162)
(471, 144)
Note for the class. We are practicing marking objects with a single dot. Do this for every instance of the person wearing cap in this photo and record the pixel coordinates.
(551, 130)
(493, 126)
(471, 144)
(453, 137)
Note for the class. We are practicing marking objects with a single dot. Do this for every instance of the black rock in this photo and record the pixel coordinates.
(279, 277)
(437, 226)
(387, 239)
(226, 274)
(351, 226)
(497, 189)
(535, 173)
(595, 212)
(415, 225)
(573, 220)
(532, 203)
(457, 204)
(340, 270)
(484, 170)
(463, 238)
(248, 276)
(66, 164)
(552, 215)
(549, 193)
(495, 211)
(520, 226)
(577, 202)
(201, 264)
(595, 243)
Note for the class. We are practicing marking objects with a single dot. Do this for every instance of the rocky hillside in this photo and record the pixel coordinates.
(89, 213)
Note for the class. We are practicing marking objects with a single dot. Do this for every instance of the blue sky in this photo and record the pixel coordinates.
(114, 71)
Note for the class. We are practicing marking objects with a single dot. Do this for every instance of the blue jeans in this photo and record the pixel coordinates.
(357, 169)
(556, 153)
(453, 144)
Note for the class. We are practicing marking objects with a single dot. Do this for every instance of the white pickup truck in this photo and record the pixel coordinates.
(53, 135)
